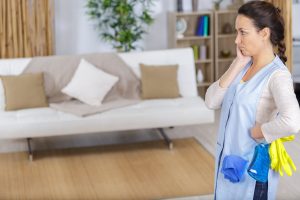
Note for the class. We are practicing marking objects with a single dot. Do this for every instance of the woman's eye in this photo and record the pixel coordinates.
(243, 33)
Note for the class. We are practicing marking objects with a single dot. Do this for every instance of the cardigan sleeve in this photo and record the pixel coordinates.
(288, 120)
(214, 95)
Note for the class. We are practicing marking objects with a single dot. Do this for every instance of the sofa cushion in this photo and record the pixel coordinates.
(183, 57)
(59, 70)
(89, 84)
(147, 114)
(10, 67)
(159, 81)
(24, 91)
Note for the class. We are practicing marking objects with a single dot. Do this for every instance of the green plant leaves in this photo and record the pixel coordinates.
(120, 22)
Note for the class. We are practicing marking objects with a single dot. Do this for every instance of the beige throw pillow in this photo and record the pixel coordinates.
(159, 81)
(24, 91)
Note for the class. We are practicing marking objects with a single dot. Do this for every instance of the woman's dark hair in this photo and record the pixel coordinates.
(264, 14)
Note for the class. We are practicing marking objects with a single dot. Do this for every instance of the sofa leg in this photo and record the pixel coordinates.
(30, 153)
(166, 138)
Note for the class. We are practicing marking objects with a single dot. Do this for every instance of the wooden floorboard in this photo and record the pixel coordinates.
(146, 170)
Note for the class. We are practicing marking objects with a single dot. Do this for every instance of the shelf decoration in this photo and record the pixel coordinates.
(225, 53)
(200, 77)
(203, 26)
(181, 26)
(203, 54)
(194, 5)
(217, 4)
(196, 52)
(235, 4)
(227, 28)
(179, 6)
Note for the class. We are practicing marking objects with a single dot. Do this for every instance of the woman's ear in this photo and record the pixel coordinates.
(265, 33)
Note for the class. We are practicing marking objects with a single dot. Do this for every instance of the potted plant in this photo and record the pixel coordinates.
(121, 22)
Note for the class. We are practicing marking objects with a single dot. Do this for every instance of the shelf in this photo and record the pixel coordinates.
(226, 12)
(227, 35)
(193, 38)
(226, 59)
(190, 39)
(224, 41)
(203, 61)
(182, 14)
(203, 84)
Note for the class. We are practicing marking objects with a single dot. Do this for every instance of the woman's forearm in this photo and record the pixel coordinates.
(234, 69)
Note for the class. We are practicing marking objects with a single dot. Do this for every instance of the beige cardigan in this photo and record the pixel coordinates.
(277, 96)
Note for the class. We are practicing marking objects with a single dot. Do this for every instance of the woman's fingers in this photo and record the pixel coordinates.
(240, 57)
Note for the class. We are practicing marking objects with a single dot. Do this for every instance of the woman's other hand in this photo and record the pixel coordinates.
(256, 132)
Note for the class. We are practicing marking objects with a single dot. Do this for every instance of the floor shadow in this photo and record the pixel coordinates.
(105, 149)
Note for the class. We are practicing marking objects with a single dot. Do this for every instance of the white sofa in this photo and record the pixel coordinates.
(159, 113)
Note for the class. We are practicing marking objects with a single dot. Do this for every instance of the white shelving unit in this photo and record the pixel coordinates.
(224, 40)
(190, 39)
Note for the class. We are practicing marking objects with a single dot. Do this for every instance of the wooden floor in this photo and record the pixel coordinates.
(145, 170)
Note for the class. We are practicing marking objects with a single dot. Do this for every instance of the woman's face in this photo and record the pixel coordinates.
(249, 40)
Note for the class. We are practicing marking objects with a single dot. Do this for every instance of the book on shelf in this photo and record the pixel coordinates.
(200, 52)
(199, 31)
(203, 54)
(203, 26)
(196, 52)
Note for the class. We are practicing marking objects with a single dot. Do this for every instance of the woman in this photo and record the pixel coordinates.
(257, 101)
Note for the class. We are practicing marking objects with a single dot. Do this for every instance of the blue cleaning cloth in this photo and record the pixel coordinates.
(260, 164)
(233, 168)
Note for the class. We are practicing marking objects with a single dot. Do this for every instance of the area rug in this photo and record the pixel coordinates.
(146, 170)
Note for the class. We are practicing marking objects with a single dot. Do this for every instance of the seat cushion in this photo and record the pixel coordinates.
(40, 122)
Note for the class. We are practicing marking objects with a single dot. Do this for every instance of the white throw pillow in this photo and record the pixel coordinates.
(90, 84)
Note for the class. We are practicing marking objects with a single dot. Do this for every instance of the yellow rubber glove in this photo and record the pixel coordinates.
(280, 159)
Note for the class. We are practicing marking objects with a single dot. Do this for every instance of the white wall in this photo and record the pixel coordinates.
(295, 20)
(75, 33)
(296, 45)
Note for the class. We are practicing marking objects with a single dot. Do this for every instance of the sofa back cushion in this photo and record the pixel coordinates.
(59, 70)
(159, 82)
(183, 57)
(24, 91)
